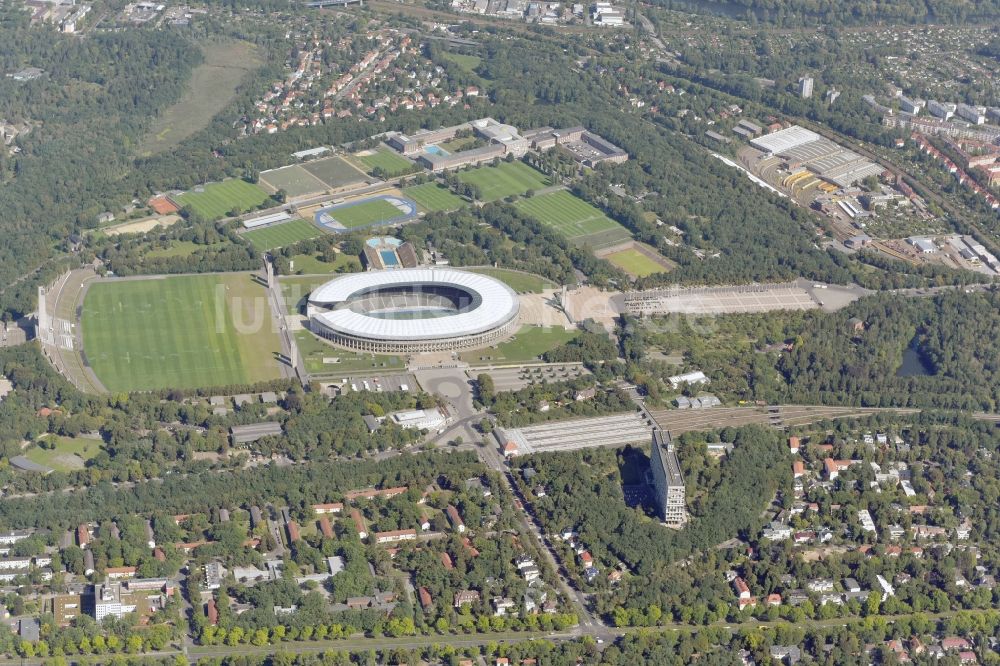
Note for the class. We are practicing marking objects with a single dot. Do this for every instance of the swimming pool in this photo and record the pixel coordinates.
(436, 150)
(389, 258)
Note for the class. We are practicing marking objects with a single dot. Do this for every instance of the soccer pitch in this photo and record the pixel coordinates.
(365, 214)
(507, 179)
(635, 263)
(391, 163)
(179, 332)
(433, 197)
(572, 217)
(282, 235)
(334, 171)
(294, 180)
(220, 198)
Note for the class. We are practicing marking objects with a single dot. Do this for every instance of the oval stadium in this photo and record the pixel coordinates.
(413, 310)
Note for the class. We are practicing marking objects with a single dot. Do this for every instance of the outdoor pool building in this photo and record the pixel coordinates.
(385, 252)
(413, 310)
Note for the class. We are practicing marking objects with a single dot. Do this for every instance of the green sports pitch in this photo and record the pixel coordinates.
(366, 214)
(179, 332)
(574, 218)
(218, 199)
(507, 179)
(282, 235)
(391, 163)
(433, 197)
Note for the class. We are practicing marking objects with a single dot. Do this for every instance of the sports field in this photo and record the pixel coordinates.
(294, 180)
(184, 331)
(334, 171)
(574, 218)
(366, 213)
(433, 197)
(635, 263)
(282, 235)
(507, 179)
(391, 163)
(218, 199)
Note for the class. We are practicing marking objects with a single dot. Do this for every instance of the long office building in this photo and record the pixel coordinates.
(667, 480)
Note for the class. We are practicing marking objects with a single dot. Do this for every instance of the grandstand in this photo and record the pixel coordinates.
(386, 253)
(413, 310)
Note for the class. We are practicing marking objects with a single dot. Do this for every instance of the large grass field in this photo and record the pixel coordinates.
(528, 343)
(70, 453)
(392, 163)
(218, 199)
(522, 283)
(365, 214)
(294, 180)
(334, 171)
(572, 217)
(466, 62)
(507, 179)
(183, 332)
(433, 197)
(635, 263)
(280, 235)
(211, 87)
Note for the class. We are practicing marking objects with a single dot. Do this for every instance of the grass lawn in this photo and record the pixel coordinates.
(70, 453)
(334, 171)
(466, 62)
(392, 163)
(528, 343)
(522, 283)
(635, 263)
(307, 264)
(459, 144)
(183, 332)
(507, 179)
(280, 235)
(220, 198)
(211, 87)
(572, 217)
(341, 361)
(294, 180)
(365, 214)
(295, 289)
(433, 197)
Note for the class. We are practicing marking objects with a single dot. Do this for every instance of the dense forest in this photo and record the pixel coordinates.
(853, 12)
(585, 494)
(94, 99)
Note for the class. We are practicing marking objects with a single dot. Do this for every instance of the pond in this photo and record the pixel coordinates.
(914, 364)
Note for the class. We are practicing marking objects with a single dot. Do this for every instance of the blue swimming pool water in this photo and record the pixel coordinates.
(389, 258)
(436, 150)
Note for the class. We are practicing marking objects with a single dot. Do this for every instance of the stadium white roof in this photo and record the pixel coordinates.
(498, 305)
(786, 139)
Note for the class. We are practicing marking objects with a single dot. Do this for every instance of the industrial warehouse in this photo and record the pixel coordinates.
(807, 153)
(413, 310)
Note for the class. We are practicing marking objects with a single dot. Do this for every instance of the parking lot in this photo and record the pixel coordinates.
(515, 379)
